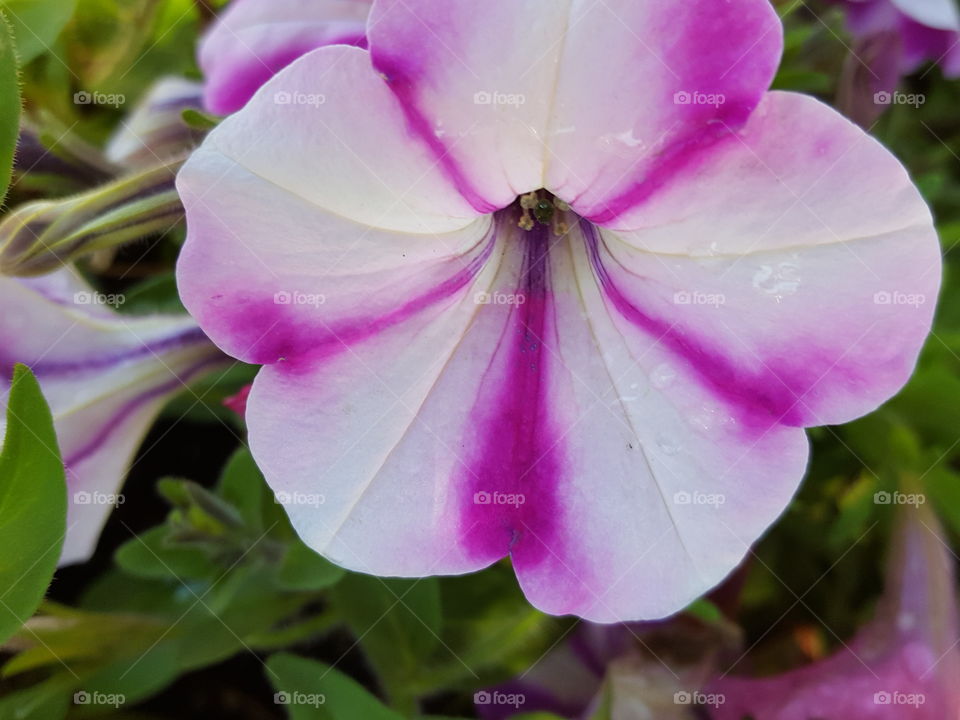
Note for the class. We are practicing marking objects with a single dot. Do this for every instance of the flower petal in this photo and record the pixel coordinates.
(514, 96)
(105, 377)
(334, 249)
(940, 14)
(522, 426)
(254, 39)
(802, 218)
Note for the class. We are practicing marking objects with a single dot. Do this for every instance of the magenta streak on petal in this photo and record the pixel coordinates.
(732, 51)
(404, 89)
(517, 453)
(129, 408)
(42, 369)
(228, 93)
(301, 344)
(760, 398)
(681, 155)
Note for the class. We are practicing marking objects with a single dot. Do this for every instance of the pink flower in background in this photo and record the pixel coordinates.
(894, 38)
(563, 284)
(904, 665)
(622, 672)
(105, 377)
(909, 32)
(254, 39)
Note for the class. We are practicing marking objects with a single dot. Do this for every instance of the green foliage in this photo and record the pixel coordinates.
(33, 503)
(37, 24)
(313, 691)
(9, 103)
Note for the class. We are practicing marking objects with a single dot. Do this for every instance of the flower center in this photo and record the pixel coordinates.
(544, 208)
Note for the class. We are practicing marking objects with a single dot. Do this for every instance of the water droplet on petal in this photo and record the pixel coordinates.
(778, 280)
(667, 445)
(662, 376)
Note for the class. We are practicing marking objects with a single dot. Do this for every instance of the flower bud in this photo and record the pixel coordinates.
(39, 237)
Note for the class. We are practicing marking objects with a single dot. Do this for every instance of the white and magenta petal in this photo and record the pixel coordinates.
(255, 39)
(362, 221)
(643, 89)
(525, 426)
(515, 96)
(818, 245)
(105, 377)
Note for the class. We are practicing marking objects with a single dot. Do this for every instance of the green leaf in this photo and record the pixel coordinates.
(303, 569)
(9, 104)
(33, 503)
(37, 23)
(243, 486)
(314, 691)
(397, 621)
(200, 120)
(150, 555)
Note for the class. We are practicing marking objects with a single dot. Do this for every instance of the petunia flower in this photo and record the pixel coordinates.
(903, 665)
(913, 31)
(559, 282)
(254, 39)
(105, 376)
